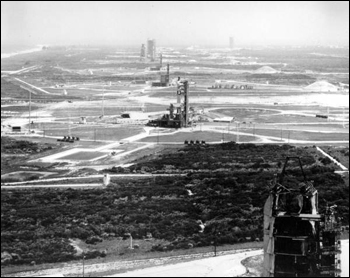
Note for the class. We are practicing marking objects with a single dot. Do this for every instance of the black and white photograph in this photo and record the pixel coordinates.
(174, 138)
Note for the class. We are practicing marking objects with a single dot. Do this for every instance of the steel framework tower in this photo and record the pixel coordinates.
(298, 241)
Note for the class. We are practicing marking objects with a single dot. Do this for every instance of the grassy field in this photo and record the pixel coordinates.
(284, 119)
(301, 135)
(83, 156)
(19, 108)
(94, 109)
(80, 144)
(260, 115)
(196, 135)
(96, 133)
(227, 92)
(245, 113)
(223, 135)
(286, 131)
(285, 107)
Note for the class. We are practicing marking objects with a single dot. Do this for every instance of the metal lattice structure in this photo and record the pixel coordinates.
(179, 112)
(298, 241)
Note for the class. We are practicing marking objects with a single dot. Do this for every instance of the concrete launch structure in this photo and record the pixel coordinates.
(298, 241)
(143, 51)
(179, 112)
(164, 79)
(151, 49)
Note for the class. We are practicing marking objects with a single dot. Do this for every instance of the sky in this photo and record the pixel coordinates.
(175, 23)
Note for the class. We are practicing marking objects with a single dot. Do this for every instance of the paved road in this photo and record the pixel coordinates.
(75, 268)
(35, 87)
(331, 158)
(20, 71)
(222, 266)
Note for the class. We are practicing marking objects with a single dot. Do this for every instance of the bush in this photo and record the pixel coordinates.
(43, 220)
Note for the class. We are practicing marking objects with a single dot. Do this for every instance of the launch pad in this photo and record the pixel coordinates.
(179, 114)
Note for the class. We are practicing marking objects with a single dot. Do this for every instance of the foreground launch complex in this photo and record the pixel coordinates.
(298, 241)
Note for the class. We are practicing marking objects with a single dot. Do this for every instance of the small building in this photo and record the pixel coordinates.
(133, 118)
(155, 68)
(16, 129)
(82, 120)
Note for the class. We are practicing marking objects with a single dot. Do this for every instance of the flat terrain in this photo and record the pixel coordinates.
(71, 85)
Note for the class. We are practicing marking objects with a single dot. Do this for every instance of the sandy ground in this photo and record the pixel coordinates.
(324, 99)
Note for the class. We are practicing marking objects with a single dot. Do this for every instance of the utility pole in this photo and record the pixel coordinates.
(69, 132)
(327, 114)
(215, 241)
(131, 242)
(103, 101)
(216, 233)
(157, 136)
(130, 236)
(83, 265)
(30, 109)
(281, 134)
(288, 136)
(187, 118)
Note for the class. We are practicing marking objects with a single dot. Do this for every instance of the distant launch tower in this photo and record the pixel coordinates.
(143, 51)
(232, 42)
(151, 49)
